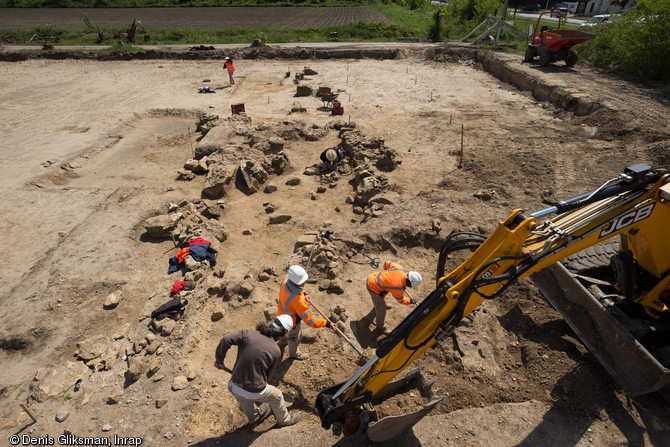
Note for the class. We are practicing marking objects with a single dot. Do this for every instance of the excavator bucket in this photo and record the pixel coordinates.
(392, 426)
(632, 366)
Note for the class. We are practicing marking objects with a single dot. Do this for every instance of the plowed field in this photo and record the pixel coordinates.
(17, 19)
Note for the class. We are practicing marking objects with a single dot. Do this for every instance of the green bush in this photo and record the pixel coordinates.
(452, 25)
(484, 8)
(637, 44)
(176, 35)
(44, 31)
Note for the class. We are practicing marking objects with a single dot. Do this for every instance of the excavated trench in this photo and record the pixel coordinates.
(508, 71)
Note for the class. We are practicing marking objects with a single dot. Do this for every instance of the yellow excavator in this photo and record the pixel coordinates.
(614, 297)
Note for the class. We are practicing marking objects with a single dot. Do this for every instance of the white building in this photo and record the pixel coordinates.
(595, 7)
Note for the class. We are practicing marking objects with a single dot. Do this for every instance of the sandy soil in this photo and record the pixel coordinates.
(92, 149)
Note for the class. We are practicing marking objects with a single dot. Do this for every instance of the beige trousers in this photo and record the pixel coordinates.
(294, 337)
(271, 396)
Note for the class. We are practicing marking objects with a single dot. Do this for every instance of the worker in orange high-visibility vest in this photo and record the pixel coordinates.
(292, 301)
(392, 279)
(228, 65)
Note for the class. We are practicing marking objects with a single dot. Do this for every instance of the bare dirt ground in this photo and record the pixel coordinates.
(92, 149)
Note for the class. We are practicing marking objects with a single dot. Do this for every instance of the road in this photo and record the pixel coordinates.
(525, 15)
(569, 21)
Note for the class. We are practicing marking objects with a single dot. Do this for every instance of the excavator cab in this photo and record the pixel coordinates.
(617, 326)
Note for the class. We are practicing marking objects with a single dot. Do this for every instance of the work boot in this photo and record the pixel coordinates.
(384, 330)
(295, 417)
(300, 356)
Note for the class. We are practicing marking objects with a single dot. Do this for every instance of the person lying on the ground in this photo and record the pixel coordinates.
(203, 47)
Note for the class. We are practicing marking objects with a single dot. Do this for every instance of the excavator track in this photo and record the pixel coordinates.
(630, 364)
(592, 259)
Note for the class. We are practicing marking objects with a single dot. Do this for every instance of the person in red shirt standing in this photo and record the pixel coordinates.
(228, 65)
(293, 302)
(392, 279)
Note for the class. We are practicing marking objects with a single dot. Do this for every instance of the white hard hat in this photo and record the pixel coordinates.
(331, 154)
(284, 322)
(297, 275)
(414, 278)
(227, 57)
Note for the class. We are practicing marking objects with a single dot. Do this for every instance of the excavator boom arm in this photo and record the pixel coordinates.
(635, 202)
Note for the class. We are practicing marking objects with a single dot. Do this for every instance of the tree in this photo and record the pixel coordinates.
(622, 3)
(469, 10)
(519, 3)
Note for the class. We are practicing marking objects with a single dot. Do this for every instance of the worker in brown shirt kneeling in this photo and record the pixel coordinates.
(258, 355)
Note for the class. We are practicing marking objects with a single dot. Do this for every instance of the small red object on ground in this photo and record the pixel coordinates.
(337, 108)
(237, 108)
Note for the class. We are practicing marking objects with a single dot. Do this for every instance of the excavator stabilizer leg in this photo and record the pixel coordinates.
(632, 366)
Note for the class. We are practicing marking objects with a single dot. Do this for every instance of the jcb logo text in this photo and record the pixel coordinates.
(627, 219)
(490, 271)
